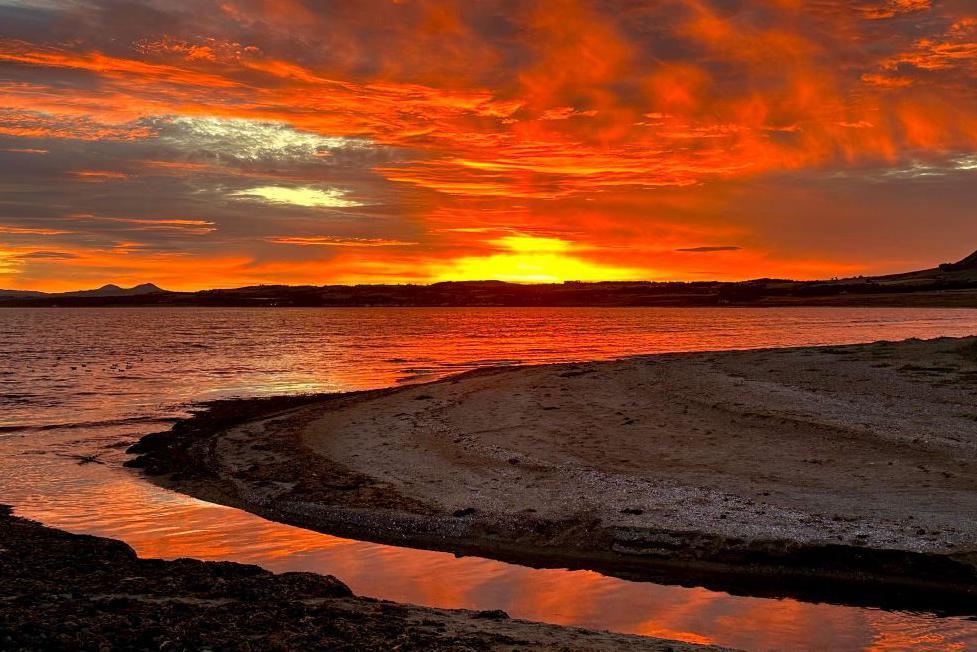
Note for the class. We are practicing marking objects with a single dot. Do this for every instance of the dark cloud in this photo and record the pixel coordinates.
(701, 250)
(47, 255)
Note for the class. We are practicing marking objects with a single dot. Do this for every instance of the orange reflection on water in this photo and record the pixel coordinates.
(95, 366)
(108, 501)
(896, 641)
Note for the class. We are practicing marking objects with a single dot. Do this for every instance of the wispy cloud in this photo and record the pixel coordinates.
(22, 230)
(98, 176)
(46, 255)
(189, 226)
(705, 250)
(249, 140)
(338, 241)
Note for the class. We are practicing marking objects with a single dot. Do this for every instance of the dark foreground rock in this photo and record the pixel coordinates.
(60, 591)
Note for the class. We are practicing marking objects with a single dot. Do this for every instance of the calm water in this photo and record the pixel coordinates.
(89, 382)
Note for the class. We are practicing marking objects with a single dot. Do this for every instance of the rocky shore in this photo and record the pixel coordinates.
(844, 473)
(60, 591)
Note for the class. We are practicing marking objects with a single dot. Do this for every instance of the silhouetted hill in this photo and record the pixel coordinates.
(967, 264)
(948, 285)
(111, 290)
(22, 294)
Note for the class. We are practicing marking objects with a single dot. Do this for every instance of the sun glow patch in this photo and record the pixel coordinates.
(251, 140)
(531, 259)
(299, 196)
(532, 244)
(8, 263)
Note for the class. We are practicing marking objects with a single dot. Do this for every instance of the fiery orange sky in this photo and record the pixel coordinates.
(213, 144)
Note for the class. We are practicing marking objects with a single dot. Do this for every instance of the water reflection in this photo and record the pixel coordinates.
(102, 372)
(90, 365)
(109, 501)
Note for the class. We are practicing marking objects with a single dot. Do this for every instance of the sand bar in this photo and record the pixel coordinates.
(846, 472)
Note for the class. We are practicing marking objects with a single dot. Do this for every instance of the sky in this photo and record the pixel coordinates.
(215, 144)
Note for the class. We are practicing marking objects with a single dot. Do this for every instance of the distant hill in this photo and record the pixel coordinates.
(104, 291)
(14, 294)
(947, 285)
(967, 264)
(114, 291)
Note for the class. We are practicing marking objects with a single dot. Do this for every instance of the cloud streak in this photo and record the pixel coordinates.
(707, 250)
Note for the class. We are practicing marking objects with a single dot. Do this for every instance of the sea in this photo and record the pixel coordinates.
(79, 385)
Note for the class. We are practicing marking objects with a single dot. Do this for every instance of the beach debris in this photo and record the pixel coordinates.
(492, 614)
(82, 459)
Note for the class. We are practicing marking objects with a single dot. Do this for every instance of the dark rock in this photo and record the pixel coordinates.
(493, 614)
(68, 592)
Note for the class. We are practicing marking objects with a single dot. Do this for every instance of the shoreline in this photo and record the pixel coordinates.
(870, 302)
(267, 457)
(67, 591)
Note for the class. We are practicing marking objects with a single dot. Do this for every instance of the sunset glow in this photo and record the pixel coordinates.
(214, 144)
(525, 259)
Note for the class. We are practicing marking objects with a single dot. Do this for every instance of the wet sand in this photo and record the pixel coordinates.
(60, 591)
(847, 472)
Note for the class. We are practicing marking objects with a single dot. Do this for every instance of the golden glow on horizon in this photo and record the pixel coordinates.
(531, 259)
(532, 244)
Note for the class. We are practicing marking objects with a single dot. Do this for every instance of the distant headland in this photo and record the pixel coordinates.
(946, 285)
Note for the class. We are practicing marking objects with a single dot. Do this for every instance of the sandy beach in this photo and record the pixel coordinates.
(60, 591)
(826, 471)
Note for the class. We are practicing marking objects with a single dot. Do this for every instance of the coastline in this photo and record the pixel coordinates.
(359, 465)
(944, 299)
(66, 591)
